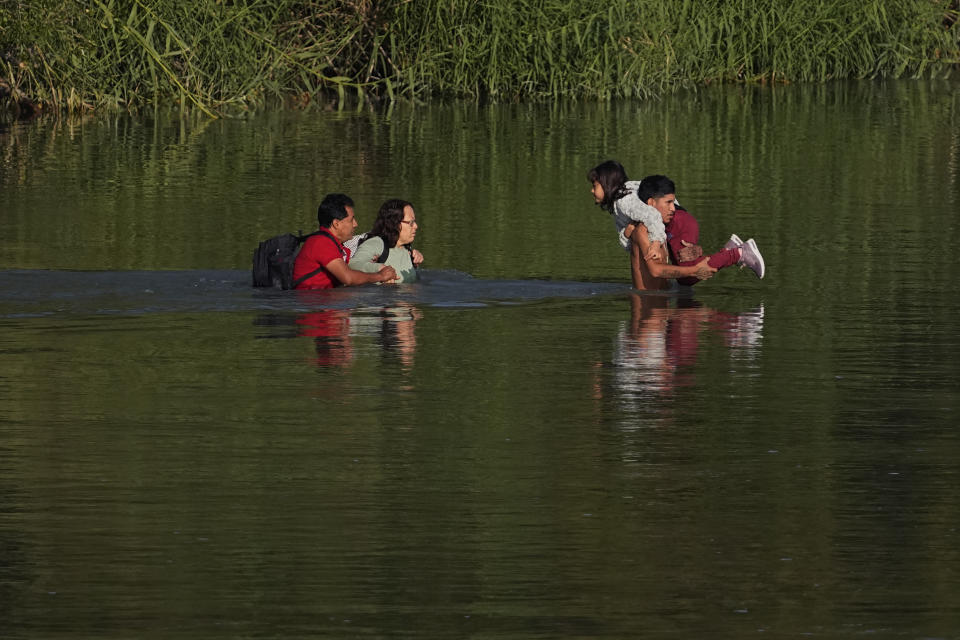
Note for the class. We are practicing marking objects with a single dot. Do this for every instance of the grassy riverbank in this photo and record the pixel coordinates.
(225, 55)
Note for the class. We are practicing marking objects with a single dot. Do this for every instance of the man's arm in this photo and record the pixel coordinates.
(657, 251)
(658, 269)
(350, 277)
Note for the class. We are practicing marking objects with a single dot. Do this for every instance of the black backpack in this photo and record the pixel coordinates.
(273, 261)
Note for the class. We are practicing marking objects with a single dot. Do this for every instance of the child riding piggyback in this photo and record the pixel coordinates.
(618, 196)
(651, 202)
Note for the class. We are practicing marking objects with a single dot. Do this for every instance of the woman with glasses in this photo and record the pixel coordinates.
(389, 242)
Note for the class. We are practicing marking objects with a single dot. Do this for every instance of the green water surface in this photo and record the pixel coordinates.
(772, 458)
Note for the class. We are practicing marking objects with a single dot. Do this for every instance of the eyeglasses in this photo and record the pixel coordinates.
(409, 222)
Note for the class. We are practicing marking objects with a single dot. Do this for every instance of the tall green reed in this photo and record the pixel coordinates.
(224, 55)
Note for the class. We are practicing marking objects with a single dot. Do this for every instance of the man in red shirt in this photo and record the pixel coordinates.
(683, 233)
(322, 262)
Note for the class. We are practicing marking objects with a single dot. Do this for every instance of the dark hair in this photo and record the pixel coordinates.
(389, 218)
(612, 176)
(333, 207)
(340, 199)
(655, 187)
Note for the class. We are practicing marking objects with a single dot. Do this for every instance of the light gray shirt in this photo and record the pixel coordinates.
(365, 259)
(629, 209)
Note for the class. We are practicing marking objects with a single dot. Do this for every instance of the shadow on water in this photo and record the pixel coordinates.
(29, 293)
(654, 352)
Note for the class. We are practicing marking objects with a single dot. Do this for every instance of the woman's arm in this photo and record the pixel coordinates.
(365, 259)
(350, 277)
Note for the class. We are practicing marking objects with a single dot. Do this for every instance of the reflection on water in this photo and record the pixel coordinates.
(656, 353)
(333, 332)
(330, 331)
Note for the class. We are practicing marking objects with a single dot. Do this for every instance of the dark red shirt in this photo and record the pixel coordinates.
(683, 227)
(318, 251)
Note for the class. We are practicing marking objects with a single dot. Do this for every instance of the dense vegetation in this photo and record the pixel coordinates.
(221, 55)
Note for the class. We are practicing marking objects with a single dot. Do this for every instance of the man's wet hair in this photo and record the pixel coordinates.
(340, 199)
(333, 207)
(655, 186)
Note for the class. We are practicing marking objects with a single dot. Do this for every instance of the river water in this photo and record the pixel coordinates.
(518, 446)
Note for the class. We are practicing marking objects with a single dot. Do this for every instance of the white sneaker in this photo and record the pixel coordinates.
(733, 242)
(750, 257)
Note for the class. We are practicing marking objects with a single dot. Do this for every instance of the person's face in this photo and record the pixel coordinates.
(666, 205)
(597, 192)
(344, 227)
(408, 226)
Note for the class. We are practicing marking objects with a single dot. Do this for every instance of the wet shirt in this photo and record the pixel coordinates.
(318, 251)
(683, 227)
(365, 259)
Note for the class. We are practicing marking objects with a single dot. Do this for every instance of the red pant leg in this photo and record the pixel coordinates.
(718, 260)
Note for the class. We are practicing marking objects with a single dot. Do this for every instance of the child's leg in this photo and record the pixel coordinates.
(718, 260)
(724, 258)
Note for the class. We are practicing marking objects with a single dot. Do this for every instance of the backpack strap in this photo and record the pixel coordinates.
(410, 251)
(382, 258)
(296, 283)
(323, 232)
